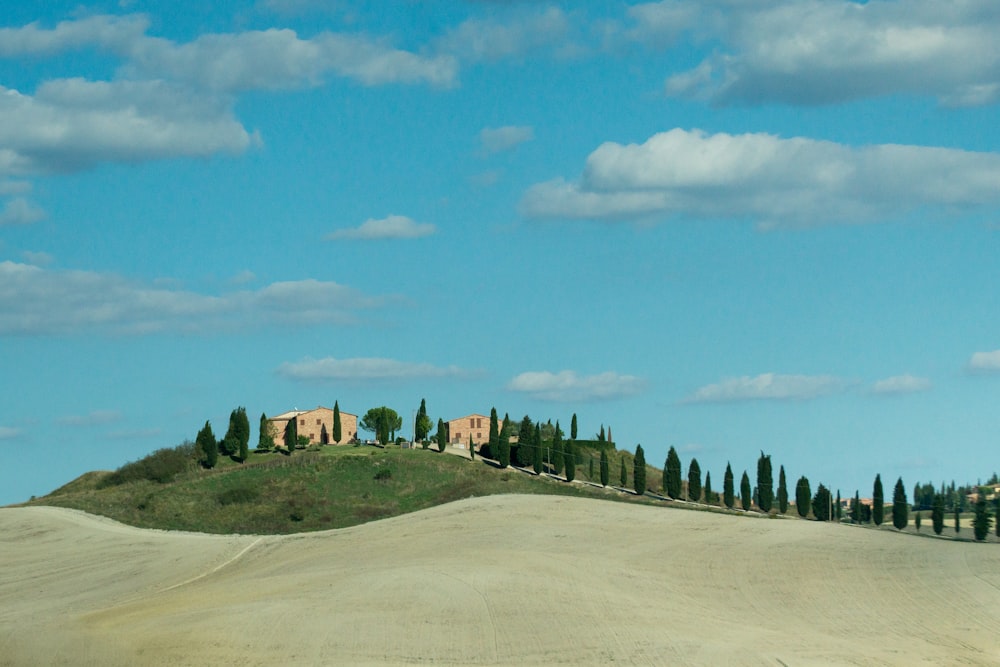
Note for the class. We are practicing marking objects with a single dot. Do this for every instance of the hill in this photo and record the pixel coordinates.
(335, 487)
(502, 580)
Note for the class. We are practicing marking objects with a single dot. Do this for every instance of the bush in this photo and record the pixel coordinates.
(241, 494)
(160, 466)
(383, 474)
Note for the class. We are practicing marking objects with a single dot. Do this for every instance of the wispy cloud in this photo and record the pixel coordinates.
(391, 227)
(774, 181)
(37, 258)
(9, 433)
(365, 368)
(901, 384)
(95, 418)
(568, 386)
(812, 52)
(516, 36)
(20, 211)
(985, 362)
(498, 139)
(767, 386)
(34, 300)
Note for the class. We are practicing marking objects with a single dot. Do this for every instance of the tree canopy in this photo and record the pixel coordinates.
(383, 422)
(672, 474)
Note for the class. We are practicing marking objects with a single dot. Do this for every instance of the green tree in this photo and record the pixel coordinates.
(291, 435)
(709, 493)
(916, 520)
(572, 428)
(494, 433)
(422, 424)
(600, 435)
(728, 496)
(639, 471)
(536, 450)
(803, 495)
(265, 438)
(472, 447)
(878, 502)
(900, 506)
(569, 458)
(765, 483)
(590, 468)
(958, 518)
(557, 450)
(623, 476)
(821, 504)
(694, 481)
(856, 507)
(937, 513)
(782, 491)
(605, 468)
(442, 436)
(836, 507)
(746, 493)
(503, 445)
(996, 511)
(526, 442)
(672, 474)
(383, 422)
(207, 446)
(981, 522)
(338, 429)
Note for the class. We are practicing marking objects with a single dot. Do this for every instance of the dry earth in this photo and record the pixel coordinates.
(499, 580)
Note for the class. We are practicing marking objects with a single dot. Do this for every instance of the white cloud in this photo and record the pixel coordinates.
(9, 433)
(11, 187)
(37, 258)
(115, 33)
(985, 361)
(73, 124)
(829, 51)
(34, 300)
(20, 211)
(568, 386)
(491, 39)
(901, 384)
(775, 181)
(497, 139)
(767, 386)
(95, 418)
(364, 368)
(391, 227)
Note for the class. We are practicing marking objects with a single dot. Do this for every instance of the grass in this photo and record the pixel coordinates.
(333, 488)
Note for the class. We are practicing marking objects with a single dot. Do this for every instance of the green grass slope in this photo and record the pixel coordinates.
(333, 488)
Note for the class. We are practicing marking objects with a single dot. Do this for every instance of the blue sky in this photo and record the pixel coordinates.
(721, 225)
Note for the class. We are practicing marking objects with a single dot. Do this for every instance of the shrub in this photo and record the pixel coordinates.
(160, 466)
(241, 494)
(383, 474)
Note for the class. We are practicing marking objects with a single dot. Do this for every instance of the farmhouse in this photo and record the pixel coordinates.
(476, 425)
(317, 425)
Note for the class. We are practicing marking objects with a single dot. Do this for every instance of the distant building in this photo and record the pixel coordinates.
(317, 425)
(476, 425)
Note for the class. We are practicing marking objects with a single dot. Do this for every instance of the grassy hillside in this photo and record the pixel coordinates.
(333, 488)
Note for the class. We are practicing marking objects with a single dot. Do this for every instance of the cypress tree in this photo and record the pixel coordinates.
(803, 494)
(338, 430)
(709, 494)
(291, 435)
(727, 487)
(472, 448)
(494, 433)
(765, 483)
(265, 440)
(569, 457)
(958, 519)
(639, 471)
(694, 481)
(856, 507)
(900, 507)
(996, 513)
(572, 428)
(207, 446)
(442, 436)
(782, 491)
(878, 502)
(981, 523)
(600, 436)
(605, 468)
(916, 520)
(746, 493)
(836, 508)
(422, 424)
(503, 448)
(821, 504)
(937, 513)
(536, 450)
(557, 450)
(590, 468)
(672, 474)
(525, 442)
(623, 477)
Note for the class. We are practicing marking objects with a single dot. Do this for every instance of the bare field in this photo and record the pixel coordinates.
(508, 580)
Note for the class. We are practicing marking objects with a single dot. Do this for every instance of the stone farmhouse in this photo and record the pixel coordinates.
(477, 425)
(317, 425)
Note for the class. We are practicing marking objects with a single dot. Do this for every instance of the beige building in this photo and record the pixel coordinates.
(317, 425)
(477, 425)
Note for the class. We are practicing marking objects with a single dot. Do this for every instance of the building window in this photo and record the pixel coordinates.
(318, 422)
(302, 422)
(479, 436)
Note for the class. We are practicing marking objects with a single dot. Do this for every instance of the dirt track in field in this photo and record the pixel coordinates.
(509, 580)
